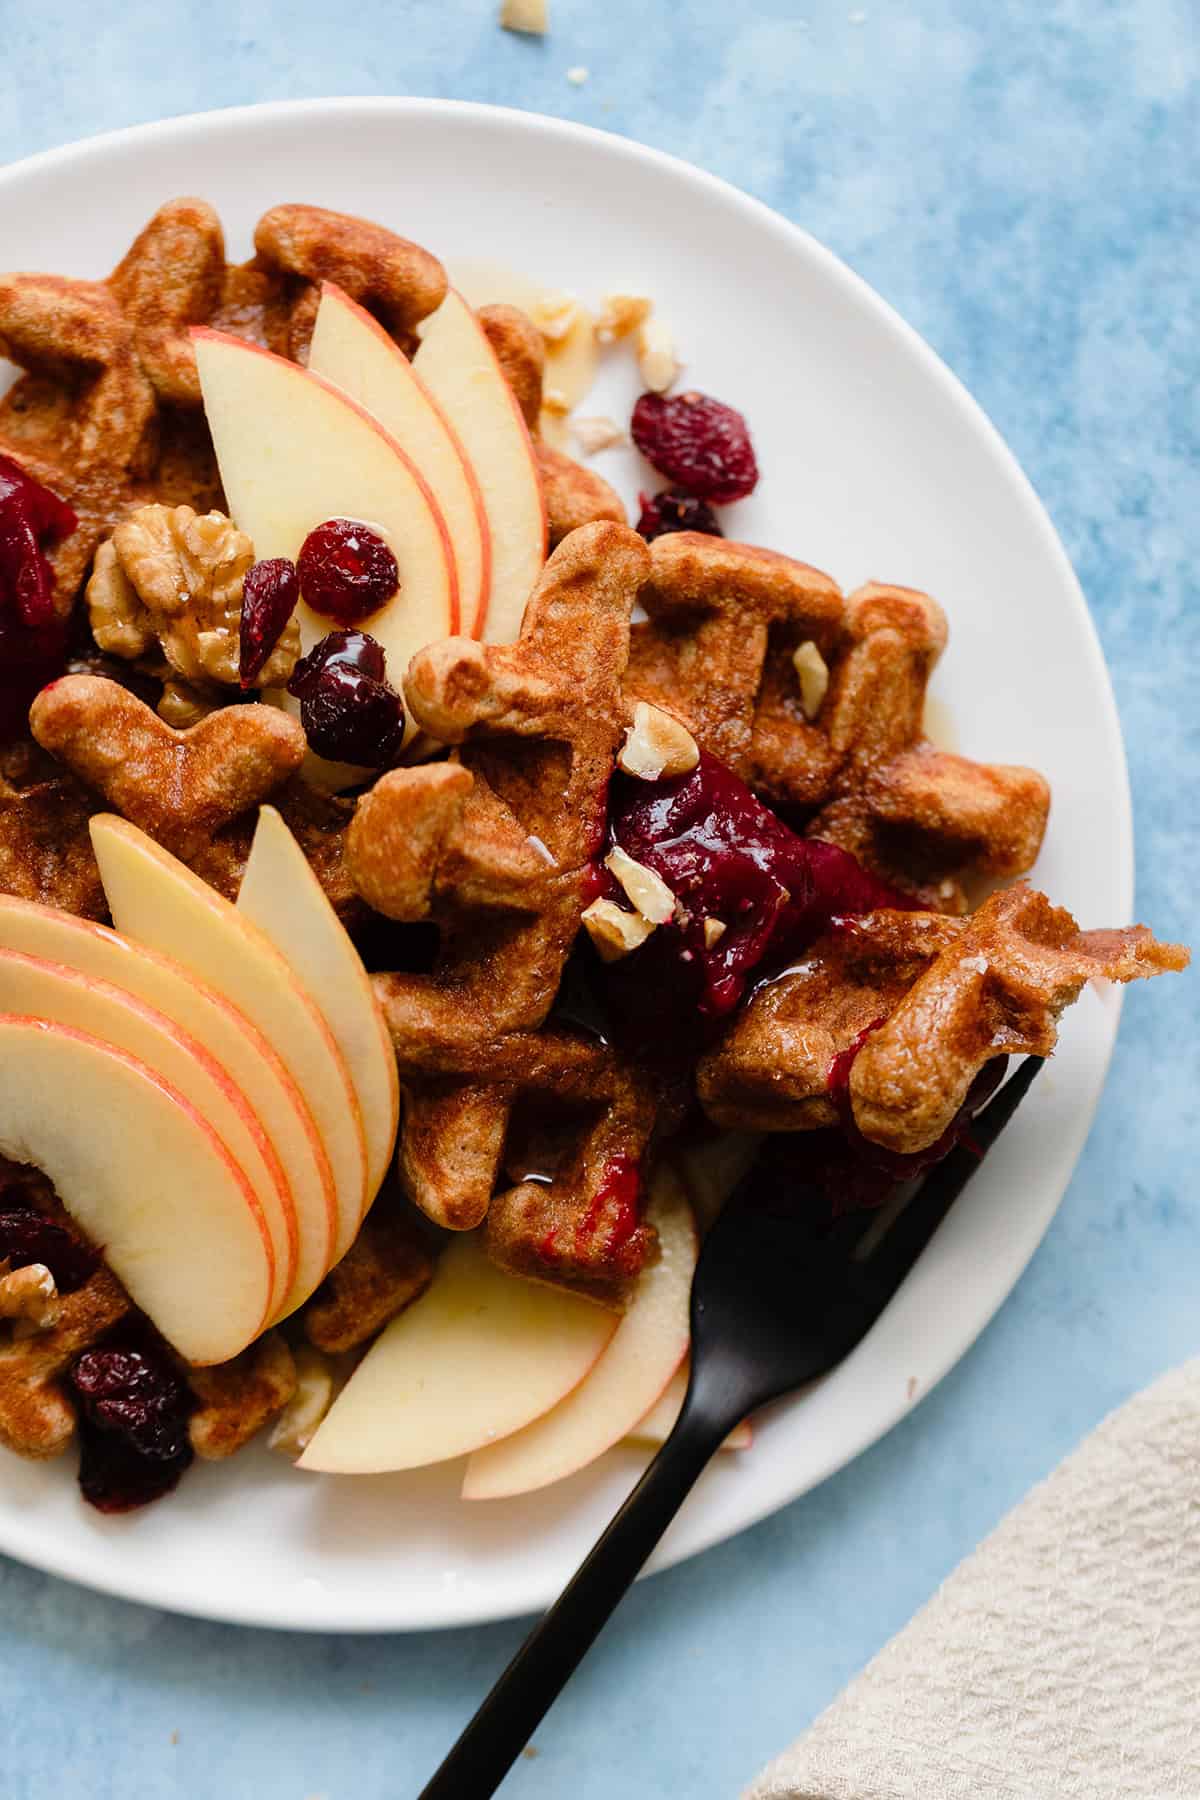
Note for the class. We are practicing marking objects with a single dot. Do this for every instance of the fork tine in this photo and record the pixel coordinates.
(900, 1246)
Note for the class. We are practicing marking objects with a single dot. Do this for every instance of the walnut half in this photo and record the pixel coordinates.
(170, 578)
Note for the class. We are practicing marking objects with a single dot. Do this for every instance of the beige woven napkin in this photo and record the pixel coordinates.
(1061, 1661)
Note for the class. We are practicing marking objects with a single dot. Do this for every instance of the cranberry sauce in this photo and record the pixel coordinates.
(33, 640)
(726, 857)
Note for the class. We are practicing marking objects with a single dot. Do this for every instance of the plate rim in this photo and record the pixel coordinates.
(71, 1563)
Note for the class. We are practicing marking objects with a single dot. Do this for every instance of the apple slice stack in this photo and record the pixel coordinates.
(530, 1383)
(432, 454)
(210, 1088)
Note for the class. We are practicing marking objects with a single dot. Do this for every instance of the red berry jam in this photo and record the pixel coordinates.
(269, 596)
(346, 571)
(699, 443)
(28, 1236)
(673, 510)
(134, 1409)
(348, 708)
(610, 1234)
(33, 641)
(727, 857)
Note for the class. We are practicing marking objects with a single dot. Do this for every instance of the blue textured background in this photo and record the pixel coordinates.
(1020, 179)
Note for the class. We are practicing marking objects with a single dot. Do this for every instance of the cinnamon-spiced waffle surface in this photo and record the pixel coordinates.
(914, 1004)
(495, 847)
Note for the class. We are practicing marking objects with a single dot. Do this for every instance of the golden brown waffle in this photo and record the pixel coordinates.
(937, 997)
(236, 1399)
(196, 792)
(385, 1269)
(725, 621)
(495, 849)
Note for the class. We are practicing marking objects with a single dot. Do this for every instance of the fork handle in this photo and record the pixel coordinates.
(550, 1655)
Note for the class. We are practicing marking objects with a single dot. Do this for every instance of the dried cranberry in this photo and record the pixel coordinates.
(349, 710)
(33, 640)
(133, 1422)
(699, 442)
(346, 571)
(726, 856)
(673, 510)
(28, 1236)
(270, 593)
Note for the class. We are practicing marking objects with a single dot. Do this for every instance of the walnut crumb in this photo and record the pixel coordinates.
(657, 745)
(614, 931)
(658, 365)
(29, 1298)
(621, 314)
(597, 433)
(528, 16)
(813, 674)
(646, 890)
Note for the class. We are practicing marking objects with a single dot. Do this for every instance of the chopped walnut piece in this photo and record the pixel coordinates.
(554, 315)
(555, 402)
(614, 931)
(647, 891)
(598, 433)
(529, 16)
(29, 1298)
(172, 578)
(714, 931)
(620, 314)
(657, 745)
(658, 365)
(293, 1429)
(813, 673)
(182, 706)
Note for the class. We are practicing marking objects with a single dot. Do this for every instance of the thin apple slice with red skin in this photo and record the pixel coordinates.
(352, 350)
(156, 900)
(460, 370)
(633, 1372)
(237, 1045)
(146, 1178)
(281, 895)
(658, 1424)
(294, 451)
(64, 996)
(479, 1355)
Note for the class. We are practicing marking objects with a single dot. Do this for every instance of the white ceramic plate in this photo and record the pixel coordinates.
(876, 463)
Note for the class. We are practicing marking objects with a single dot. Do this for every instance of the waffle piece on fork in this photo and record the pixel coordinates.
(725, 623)
(495, 848)
(921, 1002)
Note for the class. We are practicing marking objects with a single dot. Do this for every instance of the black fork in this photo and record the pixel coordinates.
(774, 1305)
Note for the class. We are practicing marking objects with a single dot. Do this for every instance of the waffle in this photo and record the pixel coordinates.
(725, 621)
(196, 792)
(928, 1000)
(494, 848)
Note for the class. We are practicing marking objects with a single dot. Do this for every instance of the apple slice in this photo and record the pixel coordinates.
(157, 901)
(480, 1354)
(46, 990)
(645, 1352)
(659, 1422)
(237, 1045)
(350, 349)
(294, 451)
(281, 895)
(459, 368)
(147, 1177)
